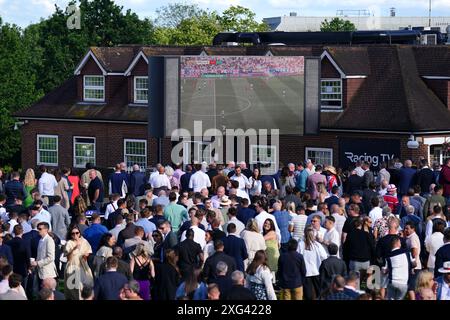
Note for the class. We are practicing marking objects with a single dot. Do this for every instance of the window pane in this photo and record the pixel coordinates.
(93, 81)
(141, 83)
(141, 95)
(331, 93)
(84, 151)
(93, 93)
(322, 157)
(135, 153)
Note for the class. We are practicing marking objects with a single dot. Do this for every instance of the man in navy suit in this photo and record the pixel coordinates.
(31, 240)
(443, 253)
(235, 247)
(21, 254)
(109, 284)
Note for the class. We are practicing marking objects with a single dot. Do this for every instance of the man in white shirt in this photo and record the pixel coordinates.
(413, 244)
(242, 179)
(39, 213)
(331, 235)
(319, 231)
(217, 198)
(376, 212)
(262, 216)
(199, 234)
(199, 179)
(47, 184)
(339, 218)
(310, 169)
(232, 213)
(118, 227)
(299, 224)
(161, 180)
(112, 206)
(359, 170)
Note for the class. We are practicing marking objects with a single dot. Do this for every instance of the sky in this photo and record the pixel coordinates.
(24, 12)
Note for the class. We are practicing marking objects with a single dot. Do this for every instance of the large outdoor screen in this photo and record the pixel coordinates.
(243, 92)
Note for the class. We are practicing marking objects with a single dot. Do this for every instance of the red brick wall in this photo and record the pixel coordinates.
(328, 70)
(109, 142)
(140, 69)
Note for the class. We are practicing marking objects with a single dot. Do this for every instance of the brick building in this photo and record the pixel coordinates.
(373, 96)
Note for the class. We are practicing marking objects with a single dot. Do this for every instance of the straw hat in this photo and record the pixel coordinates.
(445, 268)
(331, 169)
(225, 201)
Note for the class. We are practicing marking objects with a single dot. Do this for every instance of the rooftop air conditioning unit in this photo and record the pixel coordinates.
(428, 39)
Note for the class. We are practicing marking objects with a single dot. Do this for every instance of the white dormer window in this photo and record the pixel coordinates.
(331, 94)
(94, 88)
(140, 89)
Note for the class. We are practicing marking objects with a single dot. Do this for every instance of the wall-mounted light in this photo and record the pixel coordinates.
(412, 143)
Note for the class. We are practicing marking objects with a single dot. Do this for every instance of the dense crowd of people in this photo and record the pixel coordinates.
(227, 232)
(193, 67)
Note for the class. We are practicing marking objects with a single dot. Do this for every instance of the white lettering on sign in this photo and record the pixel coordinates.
(373, 159)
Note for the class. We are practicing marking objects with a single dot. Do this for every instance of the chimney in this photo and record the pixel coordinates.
(392, 12)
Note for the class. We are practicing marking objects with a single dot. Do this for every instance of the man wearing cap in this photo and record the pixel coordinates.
(391, 197)
(443, 282)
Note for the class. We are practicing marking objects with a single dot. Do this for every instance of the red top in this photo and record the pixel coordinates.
(75, 181)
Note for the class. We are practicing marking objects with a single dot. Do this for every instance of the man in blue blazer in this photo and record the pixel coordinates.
(443, 254)
(235, 247)
(109, 284)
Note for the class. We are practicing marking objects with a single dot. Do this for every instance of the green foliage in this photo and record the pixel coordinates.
(36, 60)
(185, 24)
(337, 24)
(240, 19)
(17, 89)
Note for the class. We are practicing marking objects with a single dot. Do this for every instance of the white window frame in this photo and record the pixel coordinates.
(74, 150)
(307, 149)
(94, 88)
(38, 150)
(255, 161)
(139, 155)
(135, 89)
(341, 93)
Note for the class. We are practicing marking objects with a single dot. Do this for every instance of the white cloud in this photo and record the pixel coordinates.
(47, 6)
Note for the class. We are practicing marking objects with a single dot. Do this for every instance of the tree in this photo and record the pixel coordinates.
(337, 24)
(241, 19)
(183, 24)
(193, 31)
(17, 88)
(173, 14)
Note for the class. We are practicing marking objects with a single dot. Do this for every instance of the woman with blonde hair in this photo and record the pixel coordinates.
(174, 181)
(253, 239)
(79, 206)
(29, 183)
(142, 268)
(424, 283)
(323, 193)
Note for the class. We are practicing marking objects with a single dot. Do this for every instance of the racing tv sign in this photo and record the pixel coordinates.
(374, 151)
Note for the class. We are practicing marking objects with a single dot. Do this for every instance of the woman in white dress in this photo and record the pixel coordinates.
(254, 240)
(77, 273)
